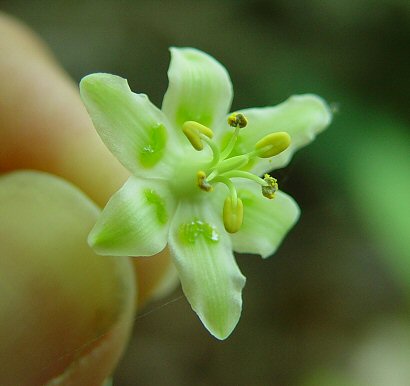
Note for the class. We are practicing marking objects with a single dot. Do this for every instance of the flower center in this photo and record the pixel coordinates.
(222, 168)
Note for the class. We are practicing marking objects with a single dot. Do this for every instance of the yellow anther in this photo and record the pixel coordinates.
(203, 183)
(193, 131)
(273, 144)
(233, 214)
(237, 120)
(271, 188)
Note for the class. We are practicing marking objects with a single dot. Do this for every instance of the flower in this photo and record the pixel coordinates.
(195, 184)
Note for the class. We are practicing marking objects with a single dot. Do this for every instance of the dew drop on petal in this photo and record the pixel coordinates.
(191, 231)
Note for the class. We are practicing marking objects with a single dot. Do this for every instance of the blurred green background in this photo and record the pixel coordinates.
(332, 307)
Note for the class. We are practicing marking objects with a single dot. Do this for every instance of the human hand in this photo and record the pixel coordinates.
(66, 313)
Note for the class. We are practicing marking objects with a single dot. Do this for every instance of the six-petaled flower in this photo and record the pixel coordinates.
(195, 182)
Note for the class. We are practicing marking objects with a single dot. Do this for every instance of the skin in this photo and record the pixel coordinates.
(44, 126)
(60, 303)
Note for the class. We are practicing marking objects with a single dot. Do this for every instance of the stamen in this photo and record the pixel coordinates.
(203, 183)
(212, 175)
(233, 207)
(195, 126)
(193, 131)
(272, 144)
(239, 121)
(229, 147)
(271, 188)
(232, 190)
(244, 174)
(232, 214)
(215, 150)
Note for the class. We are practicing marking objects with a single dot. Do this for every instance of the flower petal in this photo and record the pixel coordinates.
(199, 88)
(210, 277)
(135, 221)
(265, 222)
(301, 116)
(134, 130)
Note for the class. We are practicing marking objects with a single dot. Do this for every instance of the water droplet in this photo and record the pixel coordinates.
(190, 232)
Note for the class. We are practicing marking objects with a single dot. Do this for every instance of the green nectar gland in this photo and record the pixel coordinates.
(223, 167)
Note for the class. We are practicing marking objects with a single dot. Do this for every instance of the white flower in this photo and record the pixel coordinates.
(194, 184)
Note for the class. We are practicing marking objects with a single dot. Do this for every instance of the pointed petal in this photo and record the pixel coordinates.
(301, 116)
(265, 222)
(211, 280)
(134, 130)
(199, 89)
(135, 221)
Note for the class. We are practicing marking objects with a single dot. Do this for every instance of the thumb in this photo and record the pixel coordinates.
(65, 313)
(44, 126)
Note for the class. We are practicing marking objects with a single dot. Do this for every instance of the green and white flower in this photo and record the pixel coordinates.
(195, 184)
